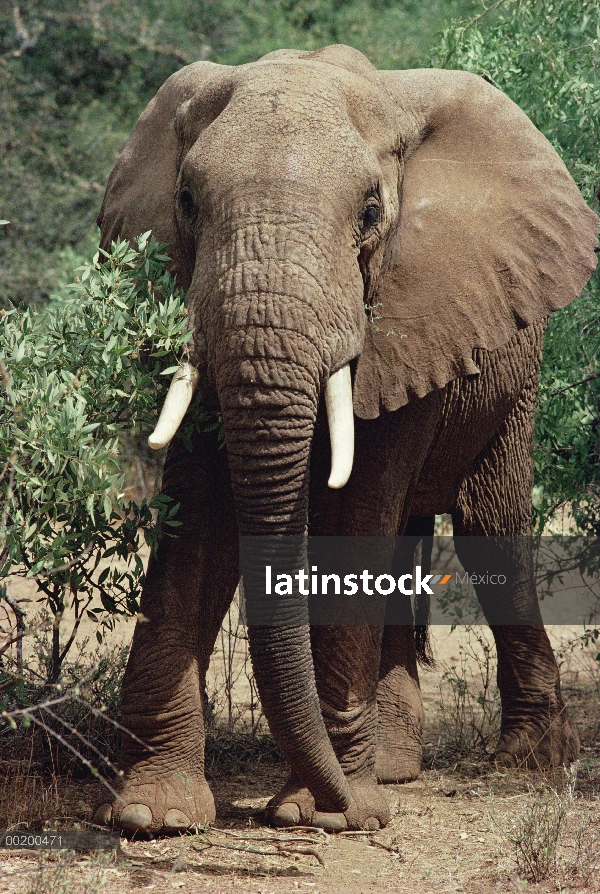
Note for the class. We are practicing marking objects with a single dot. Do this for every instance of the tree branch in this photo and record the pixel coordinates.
(575, 384)
(69, 642)
(484, 13)
(72, 562)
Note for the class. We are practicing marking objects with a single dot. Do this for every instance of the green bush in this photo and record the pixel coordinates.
(94, 365)
(545, 54)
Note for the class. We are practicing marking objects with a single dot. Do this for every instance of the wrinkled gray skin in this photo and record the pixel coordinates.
(261, 178)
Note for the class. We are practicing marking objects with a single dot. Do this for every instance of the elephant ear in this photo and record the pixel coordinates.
(140, 190)
(492, 235)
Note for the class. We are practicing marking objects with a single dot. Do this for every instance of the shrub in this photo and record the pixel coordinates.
(76, 377)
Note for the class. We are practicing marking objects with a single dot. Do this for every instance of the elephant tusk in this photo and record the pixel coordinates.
(340, 416)
(177, 401)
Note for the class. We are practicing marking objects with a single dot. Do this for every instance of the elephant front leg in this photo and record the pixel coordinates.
(492, 531)
(163, 788)
(345, 659)
(189, 586)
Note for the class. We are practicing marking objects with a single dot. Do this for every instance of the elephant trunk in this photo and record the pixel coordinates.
(279, 639)
(269, 410)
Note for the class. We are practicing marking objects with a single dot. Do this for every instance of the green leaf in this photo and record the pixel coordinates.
(77, 383)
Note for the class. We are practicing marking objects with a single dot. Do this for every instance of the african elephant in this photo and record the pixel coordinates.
(370, 259)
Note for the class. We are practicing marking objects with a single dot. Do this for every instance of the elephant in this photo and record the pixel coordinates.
(370, 259)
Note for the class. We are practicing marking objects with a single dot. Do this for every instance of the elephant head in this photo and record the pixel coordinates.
(321, 212)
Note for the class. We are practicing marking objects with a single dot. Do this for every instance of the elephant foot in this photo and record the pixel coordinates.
(396, 762)
(163, 804)
(538, 746)
(399, 749)
(295, 806)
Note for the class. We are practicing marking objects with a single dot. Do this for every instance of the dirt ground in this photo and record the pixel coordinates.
(446, 835)
(443, 837)
(457, 828)
(450, 829)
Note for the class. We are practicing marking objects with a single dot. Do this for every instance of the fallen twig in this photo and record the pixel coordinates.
(350, 832)
(392, 848)
(313, 829)
(275, 851)
(262, 837)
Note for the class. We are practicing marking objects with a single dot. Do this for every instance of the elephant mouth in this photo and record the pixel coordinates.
(338, 402)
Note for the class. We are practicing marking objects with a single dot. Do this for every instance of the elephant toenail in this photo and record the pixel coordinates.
(371, 825)
(329, 822)
(103, 815)
(176, 821)
(286, 815)
(135, 817)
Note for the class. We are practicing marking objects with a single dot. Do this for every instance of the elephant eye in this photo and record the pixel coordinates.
(370, 217)
(187, 204)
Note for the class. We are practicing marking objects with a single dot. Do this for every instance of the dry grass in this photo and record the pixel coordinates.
(469, 702)
(231, 692)
(27, 799)
(537, 831)
(462, 826)
(65, 874)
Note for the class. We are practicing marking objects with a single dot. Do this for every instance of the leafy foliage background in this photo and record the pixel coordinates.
(545, 54)
(75, 75)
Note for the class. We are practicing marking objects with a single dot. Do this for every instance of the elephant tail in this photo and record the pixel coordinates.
(422, 606)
